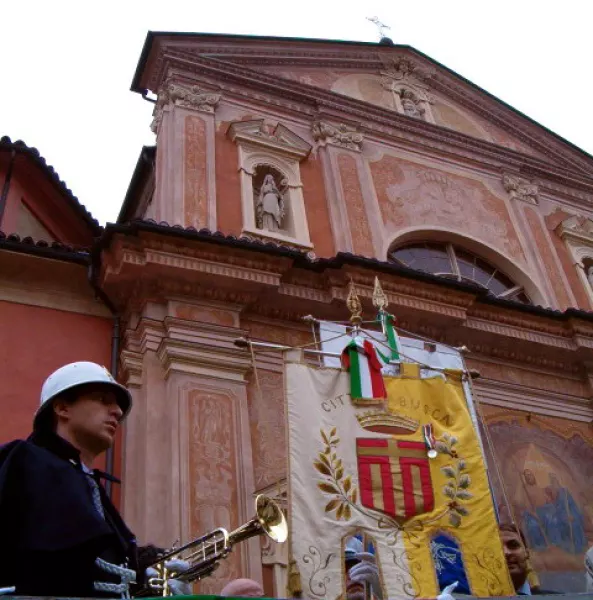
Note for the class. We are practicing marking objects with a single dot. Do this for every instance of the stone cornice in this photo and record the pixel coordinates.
(520, 397)
(443, 81)
(387, 126)
(520, 333)
(375, 60)
(286, 289)
(203, 349)
(146, 336)
(132, 368)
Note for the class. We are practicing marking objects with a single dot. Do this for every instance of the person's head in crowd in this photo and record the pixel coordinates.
(515, 554)
(243, 588)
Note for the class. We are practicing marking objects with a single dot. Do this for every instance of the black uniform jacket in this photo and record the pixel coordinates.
(50, 531)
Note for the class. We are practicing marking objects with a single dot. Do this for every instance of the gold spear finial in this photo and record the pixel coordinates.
(354, 306)
(380, 301)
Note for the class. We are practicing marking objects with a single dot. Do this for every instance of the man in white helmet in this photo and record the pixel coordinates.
(61, 535)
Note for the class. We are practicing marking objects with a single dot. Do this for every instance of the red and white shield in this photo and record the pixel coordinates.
(394, 477)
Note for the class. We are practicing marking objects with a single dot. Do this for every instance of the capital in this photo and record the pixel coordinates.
(187, 96)
(341, 135)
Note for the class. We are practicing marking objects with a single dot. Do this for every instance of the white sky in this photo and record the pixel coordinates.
(67, 66)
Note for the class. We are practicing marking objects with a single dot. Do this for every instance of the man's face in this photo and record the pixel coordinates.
(92, 419)
(529, 477)
(516, 556)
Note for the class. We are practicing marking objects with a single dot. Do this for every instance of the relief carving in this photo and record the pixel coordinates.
(411, 104)
(577, 224)
(188, 96)
(213, 473)
(266, 415)
(520, 188)
(341, 135)
(400, 69)
(413, 196)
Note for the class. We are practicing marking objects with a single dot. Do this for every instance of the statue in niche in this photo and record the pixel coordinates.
(270, 205)
(411, 105)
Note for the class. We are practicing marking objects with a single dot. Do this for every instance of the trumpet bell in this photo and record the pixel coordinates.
(271, 518)
(206, 552)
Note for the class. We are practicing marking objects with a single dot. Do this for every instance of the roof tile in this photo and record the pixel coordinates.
(19, 146)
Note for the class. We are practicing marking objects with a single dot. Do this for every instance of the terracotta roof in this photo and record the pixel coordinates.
(54, 250)
(6, 144)
(307, 261)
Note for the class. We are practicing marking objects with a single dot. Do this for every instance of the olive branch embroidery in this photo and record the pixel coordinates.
(328, 464)
(456, 488)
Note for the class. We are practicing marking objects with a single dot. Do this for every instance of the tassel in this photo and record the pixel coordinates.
(293, 587)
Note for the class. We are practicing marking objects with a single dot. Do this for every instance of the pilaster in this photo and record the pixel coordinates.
(188, 437)
(338, 214)
(185, 191)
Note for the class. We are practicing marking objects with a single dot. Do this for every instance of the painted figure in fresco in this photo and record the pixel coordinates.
(554, 518)
(568, 517)
(270, 206)
(533, 528)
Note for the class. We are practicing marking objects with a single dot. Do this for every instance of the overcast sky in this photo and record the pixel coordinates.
(67, 66)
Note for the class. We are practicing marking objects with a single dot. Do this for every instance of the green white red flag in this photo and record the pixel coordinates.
(360, 358)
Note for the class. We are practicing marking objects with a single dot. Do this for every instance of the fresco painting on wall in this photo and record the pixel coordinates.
(548, 474)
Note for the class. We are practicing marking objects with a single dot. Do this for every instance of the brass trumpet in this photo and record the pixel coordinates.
(205, 552)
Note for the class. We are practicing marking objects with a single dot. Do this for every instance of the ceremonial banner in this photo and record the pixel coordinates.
(388, 501)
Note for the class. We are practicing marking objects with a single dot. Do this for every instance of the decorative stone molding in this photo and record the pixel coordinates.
(520, 397)
(405, 79)
(292, 96)
(272, 152)
(577, 234)
(520, 188)
(132, 368)
(203, 349)
(340, 135)
(276, 138)
(186, 96)
(403, 68)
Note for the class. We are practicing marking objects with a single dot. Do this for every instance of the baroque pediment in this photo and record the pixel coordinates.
(393, 78)
(258, 132)
(577, 226)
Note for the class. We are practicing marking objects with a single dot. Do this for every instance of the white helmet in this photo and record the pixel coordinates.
(76, 374)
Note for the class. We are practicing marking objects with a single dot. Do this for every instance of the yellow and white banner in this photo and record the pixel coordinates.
(386, 501)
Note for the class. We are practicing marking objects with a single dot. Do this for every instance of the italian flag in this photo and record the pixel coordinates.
(360, 358)
(388, 324)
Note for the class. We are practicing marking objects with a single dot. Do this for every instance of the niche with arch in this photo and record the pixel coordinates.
(271, 189)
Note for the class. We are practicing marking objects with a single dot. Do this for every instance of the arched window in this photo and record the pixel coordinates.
(447, 260)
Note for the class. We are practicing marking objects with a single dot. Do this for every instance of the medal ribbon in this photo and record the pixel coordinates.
(428, 435)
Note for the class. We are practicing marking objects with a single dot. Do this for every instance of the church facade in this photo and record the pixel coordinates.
(283, 169)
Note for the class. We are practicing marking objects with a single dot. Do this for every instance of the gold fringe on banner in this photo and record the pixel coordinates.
(294, 588)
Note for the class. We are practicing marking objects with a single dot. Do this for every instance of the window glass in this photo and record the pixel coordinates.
(452, 262)
(432, 258)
